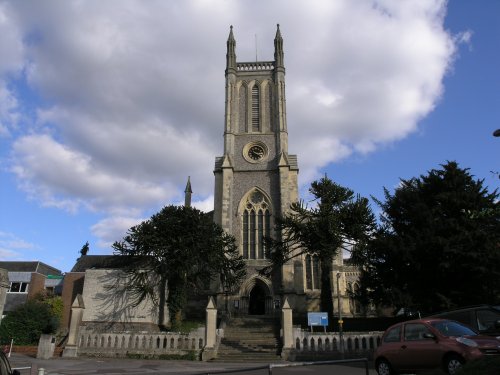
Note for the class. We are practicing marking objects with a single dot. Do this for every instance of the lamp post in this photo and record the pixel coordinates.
(341, 333)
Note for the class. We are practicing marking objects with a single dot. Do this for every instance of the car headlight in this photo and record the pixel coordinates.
(466, 341)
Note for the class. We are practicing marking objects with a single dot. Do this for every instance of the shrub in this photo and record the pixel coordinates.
(27, 322)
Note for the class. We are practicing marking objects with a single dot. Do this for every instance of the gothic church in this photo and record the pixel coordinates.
(256, 181)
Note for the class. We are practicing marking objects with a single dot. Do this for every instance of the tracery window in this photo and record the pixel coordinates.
(256, 225)
(313, 272)
(354, 304)
(255, 109)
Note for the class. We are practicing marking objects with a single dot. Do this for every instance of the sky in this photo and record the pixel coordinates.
(106, 107)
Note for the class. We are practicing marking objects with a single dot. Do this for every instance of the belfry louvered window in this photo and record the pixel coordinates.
(255, 109)
(256, 225)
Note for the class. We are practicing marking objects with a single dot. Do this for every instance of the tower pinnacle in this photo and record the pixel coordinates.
(278, 49)
(187, 193)
(231, 54)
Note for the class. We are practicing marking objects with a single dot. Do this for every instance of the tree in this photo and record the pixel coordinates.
(338, 221)
(55, 303)
(176, 250)
(438, 244)
(27, 322)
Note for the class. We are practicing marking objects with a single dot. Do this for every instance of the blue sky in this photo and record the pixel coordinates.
(107, 107)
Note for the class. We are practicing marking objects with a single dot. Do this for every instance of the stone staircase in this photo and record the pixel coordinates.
(250, 339)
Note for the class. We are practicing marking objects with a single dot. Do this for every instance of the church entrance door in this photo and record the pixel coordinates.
(257, 302)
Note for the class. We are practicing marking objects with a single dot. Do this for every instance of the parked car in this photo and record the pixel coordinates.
(483, 318)
(429, 343)
(5, 368)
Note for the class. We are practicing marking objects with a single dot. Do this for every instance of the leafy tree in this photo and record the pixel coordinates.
(55, 303)
(438, 245)
(338, 220)
(176, 250)
(27, 322)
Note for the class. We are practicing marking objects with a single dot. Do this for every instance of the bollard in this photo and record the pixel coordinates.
(41, 371)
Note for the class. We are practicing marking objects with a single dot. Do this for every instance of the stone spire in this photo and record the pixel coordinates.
(187, 193)
(231, 54)
(278, 49)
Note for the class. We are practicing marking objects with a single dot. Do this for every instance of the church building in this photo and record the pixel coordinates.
(256, 182)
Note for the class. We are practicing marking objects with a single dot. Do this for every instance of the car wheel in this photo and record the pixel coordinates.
(452, 363)
(384, 367)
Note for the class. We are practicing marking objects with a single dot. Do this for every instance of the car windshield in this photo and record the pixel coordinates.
(450, 328)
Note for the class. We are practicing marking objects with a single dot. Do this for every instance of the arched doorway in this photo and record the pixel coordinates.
(257, 301)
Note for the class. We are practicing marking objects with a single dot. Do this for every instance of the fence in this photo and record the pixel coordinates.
(305, 341)
(147, 344)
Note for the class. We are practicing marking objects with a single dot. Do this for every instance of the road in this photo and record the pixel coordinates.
(106, 366)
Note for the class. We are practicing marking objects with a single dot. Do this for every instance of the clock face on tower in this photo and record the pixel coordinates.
(255, 152)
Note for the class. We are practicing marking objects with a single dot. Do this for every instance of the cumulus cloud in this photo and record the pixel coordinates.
(13, 247)
(113, 229)
(11, 64)
(130, 95)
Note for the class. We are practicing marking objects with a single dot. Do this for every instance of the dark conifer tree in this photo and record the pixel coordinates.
(438, 246)
(338, 220)
(178, 249)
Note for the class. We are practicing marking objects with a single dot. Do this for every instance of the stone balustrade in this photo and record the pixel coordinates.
(257, 65)
(150, 344)
(305, 341)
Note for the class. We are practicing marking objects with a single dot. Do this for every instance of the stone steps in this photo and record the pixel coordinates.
(251, 339)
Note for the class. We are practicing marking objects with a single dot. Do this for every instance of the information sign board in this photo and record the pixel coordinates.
(317, 319)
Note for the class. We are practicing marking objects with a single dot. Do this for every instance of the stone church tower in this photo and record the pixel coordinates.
(256, 178)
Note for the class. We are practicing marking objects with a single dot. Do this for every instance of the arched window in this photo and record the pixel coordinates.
(313, 272)
(242, 109)
(255, 109)
(357, 305)
(256, 225)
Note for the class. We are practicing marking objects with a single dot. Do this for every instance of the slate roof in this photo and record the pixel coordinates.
(98, 261)
(31, 266)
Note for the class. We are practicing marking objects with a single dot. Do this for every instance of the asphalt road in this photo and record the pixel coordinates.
(105, 366)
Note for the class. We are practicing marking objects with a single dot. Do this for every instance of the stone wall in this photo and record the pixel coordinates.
(107, 301)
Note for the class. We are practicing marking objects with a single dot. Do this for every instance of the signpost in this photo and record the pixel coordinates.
(317, 319)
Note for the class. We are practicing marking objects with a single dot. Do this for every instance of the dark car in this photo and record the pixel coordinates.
(429, 343)
(5, 368)
(484, 318)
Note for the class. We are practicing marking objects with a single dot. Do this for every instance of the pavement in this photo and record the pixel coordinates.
(112, 366)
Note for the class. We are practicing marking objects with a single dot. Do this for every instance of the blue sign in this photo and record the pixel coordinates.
(317, 319)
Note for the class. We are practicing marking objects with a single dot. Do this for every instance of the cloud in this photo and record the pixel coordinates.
(13, 247)
(68, 179)
(11, 64)
(113, 229)
(130, 95)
